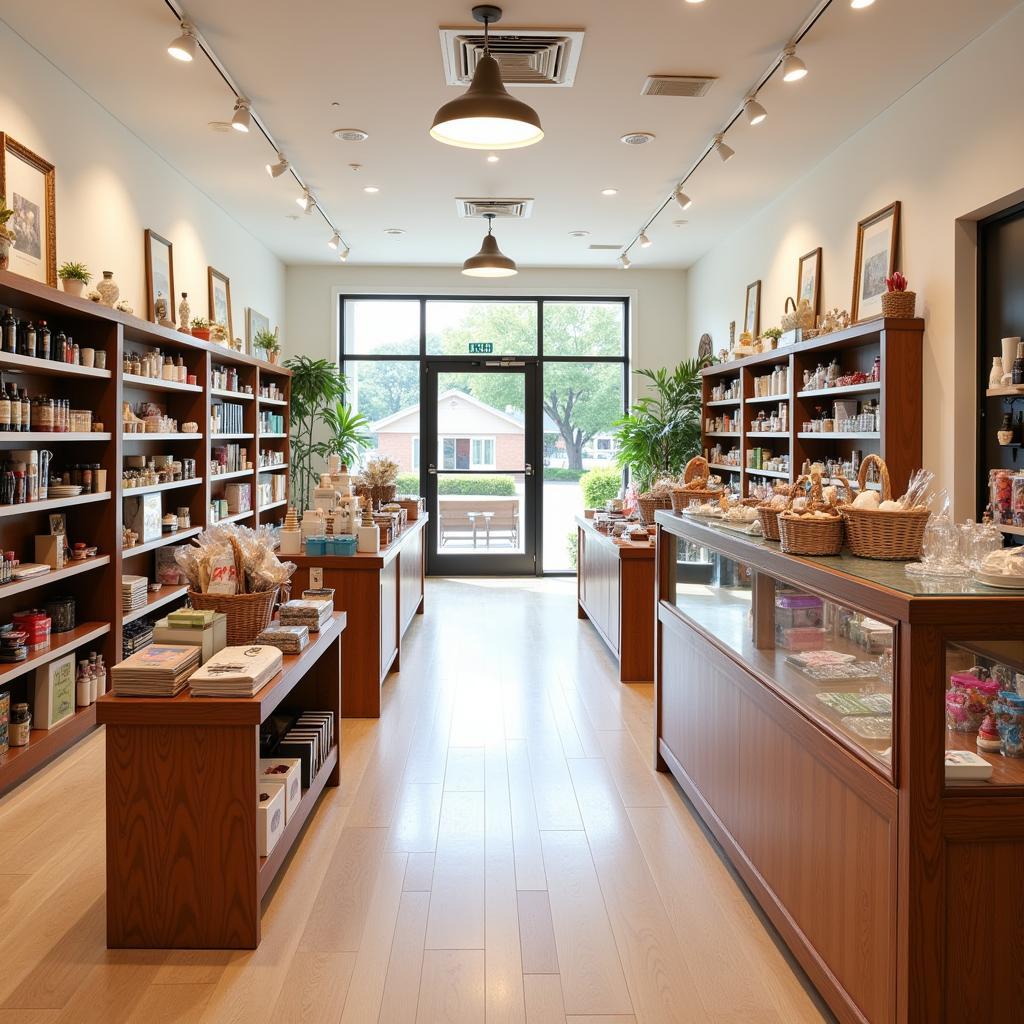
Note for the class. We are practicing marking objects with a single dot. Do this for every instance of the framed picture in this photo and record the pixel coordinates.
(220, 300)
(28, 185)
(878, 243)
(808, 281)
(159, 277)
(752, 310)
(58, 525)
(254, 323)
(54, 693)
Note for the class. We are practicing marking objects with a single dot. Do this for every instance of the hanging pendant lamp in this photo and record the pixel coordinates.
(490, 261)
(486, 116)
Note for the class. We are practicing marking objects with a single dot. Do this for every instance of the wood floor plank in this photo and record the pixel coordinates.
(452, 987)
(537, 936)
(588, 960)
(529, 858)
(414, 829)
(634, 777)
(543, 999)
(173, 1004)
(465, 771)
(602, 1018)
(315, 988)
(456, 918)
(402, 984)
(419, 872)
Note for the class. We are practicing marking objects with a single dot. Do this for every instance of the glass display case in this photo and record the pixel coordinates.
(834, 661)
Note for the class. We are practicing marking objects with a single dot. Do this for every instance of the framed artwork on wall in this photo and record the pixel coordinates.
(752, 310)
(28, 186)
(219, 287)
(159, 279)
(254, 323)
(878, 243)
(808, 282)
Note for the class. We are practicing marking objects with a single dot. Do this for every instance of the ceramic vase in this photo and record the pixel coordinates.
(996, 376)
(1009, 347)
(184, 313)
(108, 289)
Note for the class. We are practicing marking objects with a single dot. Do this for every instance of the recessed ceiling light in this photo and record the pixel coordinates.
(695, 1)
(579, 234)
(858, 5)
(793, 68)
(350, 134)
(609, 191)
(679, 223)
(637, 138)
(394, 232)
(493, 158)
(371, 189)
(184, 47)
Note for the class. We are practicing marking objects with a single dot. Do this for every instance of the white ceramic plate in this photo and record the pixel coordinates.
(998, 580)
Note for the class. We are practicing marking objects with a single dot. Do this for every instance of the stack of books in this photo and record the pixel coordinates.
(311, 614)
(237, 672)
(135, 636)
(207, 630)
(161, 670)
(133, 592)
(287, 639)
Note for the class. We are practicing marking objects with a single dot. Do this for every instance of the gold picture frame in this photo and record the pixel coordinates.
(878, 244)
(219, 295)
(35, 210)
(808, 280)
(752, 309)
(156, 272)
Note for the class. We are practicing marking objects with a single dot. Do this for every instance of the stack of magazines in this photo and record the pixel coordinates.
(287, 639)
(311, 614)
(133, 592)
(237, 671)
(159, 670)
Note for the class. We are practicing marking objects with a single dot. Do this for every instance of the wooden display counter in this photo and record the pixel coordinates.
(615, 589)
(182, 865)
(801, 705)
(381, 594)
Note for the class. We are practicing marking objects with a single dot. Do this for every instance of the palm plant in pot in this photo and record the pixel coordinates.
(661, 432)
(7, 235)
(75, 277)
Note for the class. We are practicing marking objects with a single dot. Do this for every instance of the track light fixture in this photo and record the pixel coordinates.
(625, 261)
(754, 112)
(485, 116)
(859, 5)
(724, 150)
(793, 68)
(343, 255)
(306, 201)
(282, 165)
(335, 240)
(184, 47)
(490, 261)
(242, 117)
(645, 242)
(684, 201)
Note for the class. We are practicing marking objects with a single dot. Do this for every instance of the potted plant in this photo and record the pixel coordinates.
(661, 433)
(773, 334)
(7, 235)
(348, 432)
(378, 480)
(268, 341)
(898, 301)
(201, 328)
(75, 277)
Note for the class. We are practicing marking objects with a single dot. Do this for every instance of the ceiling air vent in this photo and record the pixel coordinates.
(526, 56)
(504, 208)
(677, 85)
(604, 248)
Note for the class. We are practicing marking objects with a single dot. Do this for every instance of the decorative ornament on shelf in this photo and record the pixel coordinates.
(184, 313)
(94, 296)
(109, 289)
(75, 277)
(834, 320)
(799, 318)
(123, 306)
(995, 377)
(898, 301)
(7, 235)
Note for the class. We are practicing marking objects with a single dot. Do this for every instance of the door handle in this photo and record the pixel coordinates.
(529, 470)
(432, 469)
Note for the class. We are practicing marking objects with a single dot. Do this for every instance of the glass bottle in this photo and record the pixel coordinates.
(9, 330)
(43, 341)
(58, 350)
(5, 410)
(1018, 366)
(82, 685)
(15, 402)
(26, 411)
(101, 676)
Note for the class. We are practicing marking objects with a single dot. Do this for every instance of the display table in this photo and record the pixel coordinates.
(615, 589)
(898, 891)
(382, 593)
(182, 865)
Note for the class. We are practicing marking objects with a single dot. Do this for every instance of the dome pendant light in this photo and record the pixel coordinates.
(486, 116)
(184, 47)
(793, 68)
(490, 261)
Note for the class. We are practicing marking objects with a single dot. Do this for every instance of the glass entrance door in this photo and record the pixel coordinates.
(479, 444)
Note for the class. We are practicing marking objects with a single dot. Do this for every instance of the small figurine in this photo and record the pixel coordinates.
(988, 741)
(184, 314)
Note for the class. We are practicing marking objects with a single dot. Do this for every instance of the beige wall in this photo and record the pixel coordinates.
(657, 300)
(951, 149)
(111, 187)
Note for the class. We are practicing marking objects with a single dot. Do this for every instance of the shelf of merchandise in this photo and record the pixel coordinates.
(234, 396)
(1008, 391)
(725, 468)
(157, 384)
(775, 473)
(237, 517)
(897, 344)
(270, 469)
(131, 492)
(273, 401)
(274, 437)
(235, 474)
(274, 504)
(722, 433)
(162, 437)
(231, 437)
(52, 503)
(54, 575)
(50, 368)
(60, 644)
(768, 435)
(154, 601)
(48, 437)
(167, 538)
(719, 403)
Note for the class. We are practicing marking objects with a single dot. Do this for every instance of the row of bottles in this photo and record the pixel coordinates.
(91, 681)
(19, 413)
(26, 338)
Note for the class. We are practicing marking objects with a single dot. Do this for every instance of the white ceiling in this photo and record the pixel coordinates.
(310, 66)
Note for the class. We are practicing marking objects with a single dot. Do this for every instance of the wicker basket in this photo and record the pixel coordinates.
(799, 536)
(887, 536)
(899, 305)
(646, 507)
(248, 614)
(696, 468)
(769, 520)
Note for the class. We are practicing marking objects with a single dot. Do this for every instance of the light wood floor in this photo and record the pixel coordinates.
(500, 850)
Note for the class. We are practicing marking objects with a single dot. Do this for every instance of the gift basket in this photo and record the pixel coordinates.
(878, 527)
(233, 570)
(695, 486)
(769, 508)
(659, 496)
(811, 525)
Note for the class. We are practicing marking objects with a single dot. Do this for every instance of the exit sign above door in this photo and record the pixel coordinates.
(481, 348)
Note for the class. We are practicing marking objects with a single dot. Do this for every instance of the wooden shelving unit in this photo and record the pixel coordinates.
(97, 518)
(898, 346)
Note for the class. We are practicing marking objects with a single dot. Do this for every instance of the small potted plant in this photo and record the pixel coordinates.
(268, 341)
(898, 301)
(772, 335)
(7, 235)
(75, 277)
(201, 328)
